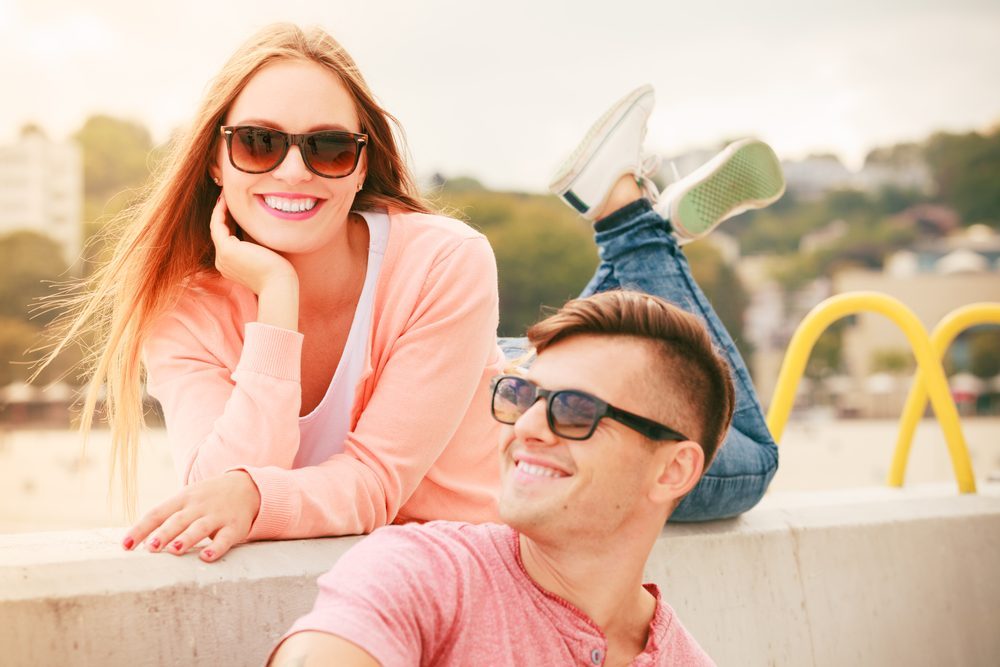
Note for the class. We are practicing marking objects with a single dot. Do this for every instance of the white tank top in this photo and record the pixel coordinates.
(323, 430)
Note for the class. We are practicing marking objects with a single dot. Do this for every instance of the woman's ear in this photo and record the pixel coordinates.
(215, 171)
(679, 467)
(215, 162)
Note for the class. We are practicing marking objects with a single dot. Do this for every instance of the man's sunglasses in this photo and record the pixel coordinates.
(571, 414)
(327, 153)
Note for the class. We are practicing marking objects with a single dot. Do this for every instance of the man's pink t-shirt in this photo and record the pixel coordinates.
(452, 593)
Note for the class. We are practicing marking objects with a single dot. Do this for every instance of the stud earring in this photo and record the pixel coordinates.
(360, 185)
(217, 180)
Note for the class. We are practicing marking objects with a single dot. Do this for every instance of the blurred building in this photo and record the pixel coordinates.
(771, 319)
(813, 177)
(912, 175)
(41, 190)
(928, 220)
(932, 280)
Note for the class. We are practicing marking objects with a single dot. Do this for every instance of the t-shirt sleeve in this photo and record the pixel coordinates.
(394, 594)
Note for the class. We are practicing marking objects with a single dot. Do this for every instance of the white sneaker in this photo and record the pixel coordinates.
(744, 176)
(610, 150)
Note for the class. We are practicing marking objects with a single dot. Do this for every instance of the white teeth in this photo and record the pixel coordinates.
(541, 471)
(290, 205)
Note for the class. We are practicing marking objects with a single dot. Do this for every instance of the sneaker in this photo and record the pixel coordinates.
(610, 150)
(744, 176)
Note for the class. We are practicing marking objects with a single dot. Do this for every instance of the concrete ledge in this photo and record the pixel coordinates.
(869, 577)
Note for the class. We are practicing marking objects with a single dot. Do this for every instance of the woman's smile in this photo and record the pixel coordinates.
(290, 206)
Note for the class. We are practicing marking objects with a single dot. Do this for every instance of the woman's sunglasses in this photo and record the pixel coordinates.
(571, 414)
(327, 153)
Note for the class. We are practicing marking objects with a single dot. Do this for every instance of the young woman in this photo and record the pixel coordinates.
(314, 334)
(321, 344)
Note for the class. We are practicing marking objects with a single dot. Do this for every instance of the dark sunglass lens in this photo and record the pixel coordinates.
(257, 149)
(331, 154)
(573, 413)
(511, 399)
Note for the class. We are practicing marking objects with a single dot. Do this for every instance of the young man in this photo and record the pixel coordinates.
(612, 426)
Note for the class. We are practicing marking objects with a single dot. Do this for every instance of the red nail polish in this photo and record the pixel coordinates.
(209, 553)
(177, 545)
(128, 543)
(155, 543)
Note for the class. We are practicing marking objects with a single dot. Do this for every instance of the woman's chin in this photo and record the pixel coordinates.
(285, 244)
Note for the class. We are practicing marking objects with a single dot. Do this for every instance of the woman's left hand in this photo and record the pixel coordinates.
(222, 508)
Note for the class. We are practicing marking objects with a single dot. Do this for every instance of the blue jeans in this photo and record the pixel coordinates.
(638, 252)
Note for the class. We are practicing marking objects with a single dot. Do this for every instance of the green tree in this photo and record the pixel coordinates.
(723, 288)
(27, 261)
(827, 354)
(897, 155)
(17, 338)
(966, 169)
(892, 199)
(847, 204)
(544, 254)
(117, 157)
(21, 346)
(894, 361)
(984, 352)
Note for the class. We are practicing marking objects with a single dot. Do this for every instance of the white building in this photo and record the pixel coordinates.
(813, 177)
(41, 190)
(914, 175)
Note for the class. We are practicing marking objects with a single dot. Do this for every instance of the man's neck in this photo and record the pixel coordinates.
(604, 582)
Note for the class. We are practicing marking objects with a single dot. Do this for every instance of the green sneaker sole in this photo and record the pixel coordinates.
(748, 178)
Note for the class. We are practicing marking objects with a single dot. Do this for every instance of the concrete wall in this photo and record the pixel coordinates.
(873, 577)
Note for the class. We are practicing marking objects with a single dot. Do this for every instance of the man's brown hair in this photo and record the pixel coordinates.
(691, 377)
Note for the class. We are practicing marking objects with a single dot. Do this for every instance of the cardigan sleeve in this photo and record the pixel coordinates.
(422, 396)
(219, 417)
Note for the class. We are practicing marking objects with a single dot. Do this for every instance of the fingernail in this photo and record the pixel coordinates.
(128, 543)
(155, 543)
(209, 553)
(176, 546)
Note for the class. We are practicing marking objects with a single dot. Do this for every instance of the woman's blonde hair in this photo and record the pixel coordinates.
(164, 239)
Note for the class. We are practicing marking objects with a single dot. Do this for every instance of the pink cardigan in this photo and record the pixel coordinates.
(422, 444)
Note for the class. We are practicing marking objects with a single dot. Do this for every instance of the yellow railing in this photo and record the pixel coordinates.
(931, 374)
(941, 338)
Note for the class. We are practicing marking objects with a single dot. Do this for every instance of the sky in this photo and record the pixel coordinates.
(503, 91)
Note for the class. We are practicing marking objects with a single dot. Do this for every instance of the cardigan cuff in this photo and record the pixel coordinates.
(276, 511)
(271, 351)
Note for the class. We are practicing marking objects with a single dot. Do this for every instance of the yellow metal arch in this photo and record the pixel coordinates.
(836, 307)
(942, 337)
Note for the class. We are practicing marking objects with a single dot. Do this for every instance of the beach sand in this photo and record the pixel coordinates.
(47, 483)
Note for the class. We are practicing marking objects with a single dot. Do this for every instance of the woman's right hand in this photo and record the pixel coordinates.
(244, 262)
(264, 272)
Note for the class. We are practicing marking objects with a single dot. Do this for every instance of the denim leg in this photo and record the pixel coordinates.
(604, 279)
(638, 252)
(514, 348)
